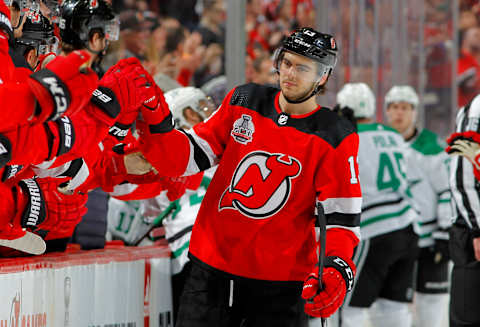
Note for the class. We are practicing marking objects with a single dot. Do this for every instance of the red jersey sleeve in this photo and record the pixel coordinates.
(338, 190)
(184, 153)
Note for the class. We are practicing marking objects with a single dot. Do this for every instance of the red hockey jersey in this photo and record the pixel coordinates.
(257, 217)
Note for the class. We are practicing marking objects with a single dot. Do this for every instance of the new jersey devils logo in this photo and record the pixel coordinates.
(261, 184)
(93, 4)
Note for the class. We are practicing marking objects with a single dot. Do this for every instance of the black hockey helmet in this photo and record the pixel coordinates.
(37, 26)
(309, 43)
(79, 17)
(38, 32)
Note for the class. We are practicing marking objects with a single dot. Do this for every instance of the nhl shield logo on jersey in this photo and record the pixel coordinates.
(261, 184)
(243, 129)
(282, 119)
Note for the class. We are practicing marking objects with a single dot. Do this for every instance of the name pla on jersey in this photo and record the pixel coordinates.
(101, 96)
(58, 94)
(35, 202)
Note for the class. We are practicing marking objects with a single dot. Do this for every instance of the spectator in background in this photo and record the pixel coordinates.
(212, 23)
(468, 77)
(134, 33)
(185, 11)
(181, 55)
(263, 71)
(254, 14)
(211, 66)
(167, 51)
(467, 19)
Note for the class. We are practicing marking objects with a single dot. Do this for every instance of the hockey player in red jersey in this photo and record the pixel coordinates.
(45, 95)
(279, 154)
(67, 139)
(86, 32)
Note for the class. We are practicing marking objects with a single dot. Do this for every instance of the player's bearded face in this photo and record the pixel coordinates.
(298, 76)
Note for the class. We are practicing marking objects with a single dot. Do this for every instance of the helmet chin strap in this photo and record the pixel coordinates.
(314, 90)
(100, 54)
(304, 98)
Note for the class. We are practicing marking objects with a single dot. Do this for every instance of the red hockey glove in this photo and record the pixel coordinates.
(31, 144)
(46, 211)
(63, 86)
(155, 111)
(337, 280)
(5, 24)
(127, 81)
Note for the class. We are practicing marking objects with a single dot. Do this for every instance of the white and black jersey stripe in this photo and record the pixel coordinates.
(201, 154)
(465, 188)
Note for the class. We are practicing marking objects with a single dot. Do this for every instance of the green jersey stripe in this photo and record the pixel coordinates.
(384, 216)
(178, 252)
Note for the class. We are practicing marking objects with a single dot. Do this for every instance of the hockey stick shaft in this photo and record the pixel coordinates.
(156, 223)
(322, 224)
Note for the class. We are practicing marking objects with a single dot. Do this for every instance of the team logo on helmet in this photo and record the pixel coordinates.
(93, 4)
(261, 184)
(34, 17)
(243, 129)
(333, 43)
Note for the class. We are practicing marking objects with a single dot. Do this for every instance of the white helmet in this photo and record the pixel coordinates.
(358, 97)
(185, 97)
(402, 93)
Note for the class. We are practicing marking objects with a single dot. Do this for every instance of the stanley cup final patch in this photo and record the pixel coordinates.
(243, 129)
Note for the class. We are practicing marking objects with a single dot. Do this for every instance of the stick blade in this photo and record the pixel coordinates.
(28, 243)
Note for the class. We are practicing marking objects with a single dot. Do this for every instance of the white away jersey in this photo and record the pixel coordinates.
(130, 220)
(428, 181)
(387, 204)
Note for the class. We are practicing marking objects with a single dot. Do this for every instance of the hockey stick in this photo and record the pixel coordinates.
(28, 243)
(322, 223)
(157, 222)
